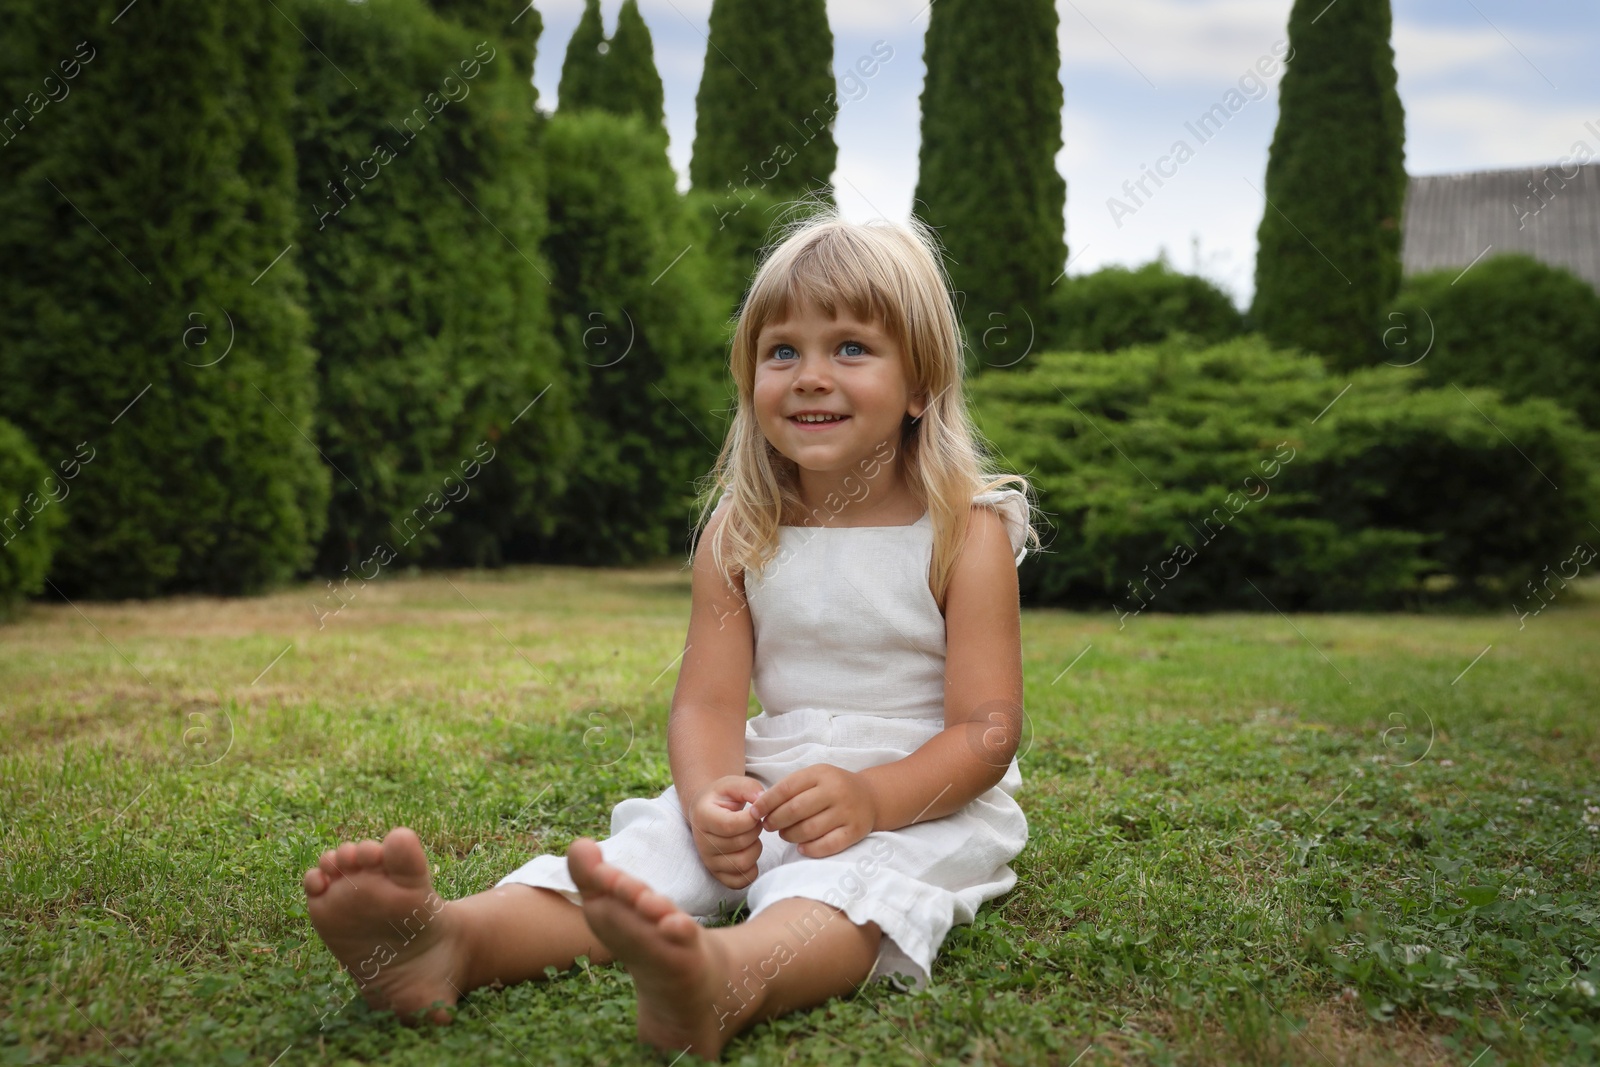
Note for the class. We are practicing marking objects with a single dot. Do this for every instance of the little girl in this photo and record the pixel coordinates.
(860, 569)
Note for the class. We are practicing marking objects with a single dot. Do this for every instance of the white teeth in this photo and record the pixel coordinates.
(818, 418)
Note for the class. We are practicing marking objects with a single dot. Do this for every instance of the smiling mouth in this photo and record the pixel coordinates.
(817, 422)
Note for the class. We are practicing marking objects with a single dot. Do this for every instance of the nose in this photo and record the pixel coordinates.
(815, 373)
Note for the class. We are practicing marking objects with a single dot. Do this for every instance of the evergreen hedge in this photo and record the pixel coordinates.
(32, 499)
(1328, 256)
(734, 228)
(153, 299)
(1511, 323)
(422, 218)
(642, 333)
(1115, 307)
(1177, 476)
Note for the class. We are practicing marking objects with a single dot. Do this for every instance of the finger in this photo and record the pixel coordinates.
(713, 852)
(734, 793)
(736, 842)
(836, 840)
(726, 823)
(803, 806)
(721, 829)
(771, 799)
(813, 828)
(743, 859)
(737, 880)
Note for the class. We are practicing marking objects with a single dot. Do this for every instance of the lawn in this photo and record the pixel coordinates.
(1254, 839)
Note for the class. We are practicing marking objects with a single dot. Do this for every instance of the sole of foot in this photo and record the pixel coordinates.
(374, 906)
(678, 972)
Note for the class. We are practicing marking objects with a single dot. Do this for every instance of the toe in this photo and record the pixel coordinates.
(626, 888)
(583, 863)
(316, 882)
(679, 927)
(653, 905)
(345, 856)
(329, 863)
(369, 853)
(403, 857)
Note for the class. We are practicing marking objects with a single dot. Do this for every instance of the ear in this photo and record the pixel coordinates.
(917, 405)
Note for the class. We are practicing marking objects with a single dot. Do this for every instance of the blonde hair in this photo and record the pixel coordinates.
(887, 274)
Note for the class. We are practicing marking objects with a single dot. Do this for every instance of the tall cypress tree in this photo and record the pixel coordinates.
(1328, 259)
(632, 83)
(987, 178)
(583, 73)
(151, 322)
(767, 100)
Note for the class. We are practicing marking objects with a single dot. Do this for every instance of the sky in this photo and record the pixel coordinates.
(1486, 84)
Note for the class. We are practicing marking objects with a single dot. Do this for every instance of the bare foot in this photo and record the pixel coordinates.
(679, 973)
(375, 908)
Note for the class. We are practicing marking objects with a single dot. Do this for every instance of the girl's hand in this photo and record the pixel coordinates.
(823, 808)
(726, 833)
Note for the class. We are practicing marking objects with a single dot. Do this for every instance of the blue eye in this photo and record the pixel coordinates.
(778, 349)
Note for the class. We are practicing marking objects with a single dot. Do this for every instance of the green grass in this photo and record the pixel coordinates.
(1252, 841)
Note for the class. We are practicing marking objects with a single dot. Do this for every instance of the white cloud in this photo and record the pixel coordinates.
(1428, 51)
(1170, 42)
(878, 16)
(1470, 129)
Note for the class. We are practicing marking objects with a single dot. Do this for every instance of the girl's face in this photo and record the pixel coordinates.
(842, 367)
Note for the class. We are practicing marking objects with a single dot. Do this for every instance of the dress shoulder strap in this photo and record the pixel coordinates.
(1013, 509)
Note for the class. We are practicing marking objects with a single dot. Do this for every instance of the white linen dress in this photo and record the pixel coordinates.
(849, 670)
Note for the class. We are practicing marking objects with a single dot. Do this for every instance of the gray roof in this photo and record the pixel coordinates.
(1551, 213)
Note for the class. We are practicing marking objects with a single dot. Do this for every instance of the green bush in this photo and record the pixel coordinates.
(1116, 307)
(643, 338)
(1181, 476)
(153, 304)
(31, 498)
(1510, 323)
(734, 228)
(422, 216)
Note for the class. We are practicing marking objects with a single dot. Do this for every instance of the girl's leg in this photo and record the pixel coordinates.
(375, 907)
(697, 988)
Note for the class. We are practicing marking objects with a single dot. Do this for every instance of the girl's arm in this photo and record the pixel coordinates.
(705, 730)
(826, 808)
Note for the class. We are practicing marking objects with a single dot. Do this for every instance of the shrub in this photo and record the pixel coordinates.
(152, 304)
(643, 339)
(1510, 323)
(422, 214)
(31, 495)
(1115, 307)
(1182, 476)
(734, 228)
